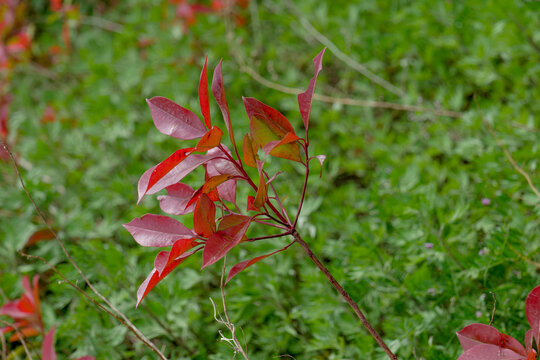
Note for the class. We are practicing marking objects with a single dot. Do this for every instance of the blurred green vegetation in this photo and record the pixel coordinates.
(394, 181)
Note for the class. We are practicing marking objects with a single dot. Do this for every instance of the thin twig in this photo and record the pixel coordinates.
(510, 158)
(494, 307)
(355, 65)
(4, 347)
(102, 24)
(339, 100)
(230, 325)
(525, 33)
(269, 236)
(126, 321)
(21, 337)
(523, 257)
(345, 295)
(3, 295)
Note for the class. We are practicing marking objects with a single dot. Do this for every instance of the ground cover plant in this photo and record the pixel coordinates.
(419, 213)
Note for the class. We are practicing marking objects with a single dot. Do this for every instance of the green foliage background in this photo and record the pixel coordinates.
(393, 182)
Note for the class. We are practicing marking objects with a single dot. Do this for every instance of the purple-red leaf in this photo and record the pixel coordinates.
(230, 232)
(490, 352)
(167, 165)
(267, 125)
(157, 230)
(173, 175)
(175, 203)
(473, 335)
(47, 348)
(532, 310)
(305, 99)
(218, 91)
(203, 96)
(174, 120)
(204, 217)
(167, 262)
(245, 264)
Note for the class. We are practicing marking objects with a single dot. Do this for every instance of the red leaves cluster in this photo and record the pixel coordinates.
(484, 342)
(189, 10)
(25, 312)
(219, 224)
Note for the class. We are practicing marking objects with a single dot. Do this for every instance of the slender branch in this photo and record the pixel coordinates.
(126, 321)
(345, 101)
(342, 56)
(4, 347)
(304, 188)
(525, 33)
(231, 326)
(511, 159)
(21, 337)
(278, 200)
(494, 307)
(270, 236)
(82, 292)
(102, 24)
(270, 224)
(344, 294)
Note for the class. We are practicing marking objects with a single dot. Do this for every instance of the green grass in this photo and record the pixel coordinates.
(393, 181)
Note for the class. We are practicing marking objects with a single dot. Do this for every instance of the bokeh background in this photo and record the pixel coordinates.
(418, 211)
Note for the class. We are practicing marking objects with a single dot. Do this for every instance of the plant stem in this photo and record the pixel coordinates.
(344, 294)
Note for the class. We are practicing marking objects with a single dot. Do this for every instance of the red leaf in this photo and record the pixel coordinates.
(249, 149)
(56, 5)
(42, 234)
(490, 352)
(230, 232)
(532, 310)
(241, 266)
(26, 312)
(157, 230)
(220, 163)
(262, 189)
(528, 339)
(305, 99)
(227, 191)
(49, 115)
(179, 247)
(214, 182)
(175, 203)
(219, 94)
(174, 174)
(24, 331)
(531, 355)
(204, 217)
(47, 349)
(4, 114)
(175, 257)
(210, 140)
(250, 205)
(174, 120)
(267, 125)
(203, 96)
(167, 165)
(473, 335)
